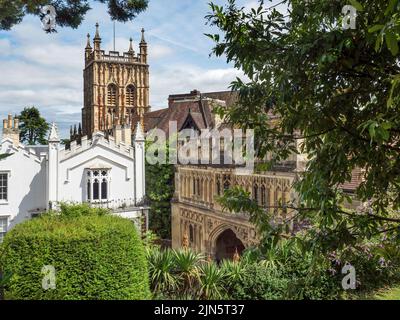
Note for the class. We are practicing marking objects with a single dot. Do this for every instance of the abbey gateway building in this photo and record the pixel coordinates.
(198, 220)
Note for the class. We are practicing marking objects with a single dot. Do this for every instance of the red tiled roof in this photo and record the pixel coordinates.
(198, 105)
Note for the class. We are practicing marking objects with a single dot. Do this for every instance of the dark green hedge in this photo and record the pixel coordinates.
(95, 257)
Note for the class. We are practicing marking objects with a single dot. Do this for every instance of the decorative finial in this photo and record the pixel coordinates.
(130, 45)
(97, 35)
(185, 241)
(143, 39)
(53, 136)
(236, 256)
(88, 42)
(139, 134)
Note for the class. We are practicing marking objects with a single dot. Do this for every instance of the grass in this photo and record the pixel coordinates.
(388, 294)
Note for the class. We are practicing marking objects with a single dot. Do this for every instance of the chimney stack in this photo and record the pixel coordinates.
(10, 121)
(10, 131)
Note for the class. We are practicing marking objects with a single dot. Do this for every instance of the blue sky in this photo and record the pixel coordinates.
(45, 70)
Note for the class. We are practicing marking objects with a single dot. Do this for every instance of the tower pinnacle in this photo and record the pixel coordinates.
(97, 35)
(88, 46)
(130, 46)
(143, 39)
(53, 136)
(143, 49)
(88, 49)
(97, 39)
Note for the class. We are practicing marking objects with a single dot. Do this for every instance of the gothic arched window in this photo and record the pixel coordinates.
(97, 185)
(255, 193)
(130, 96)
(198, 187)
(218, 187)
(227, 185)
(89, 190)
(104, 193)
(191, 234)
(96, 189)
(263, 197)
(112, 95)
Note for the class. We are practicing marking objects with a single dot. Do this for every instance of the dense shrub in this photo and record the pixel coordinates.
(95, 255)
(259, 283)
(377, 263)
(309, 279)
(282, 271)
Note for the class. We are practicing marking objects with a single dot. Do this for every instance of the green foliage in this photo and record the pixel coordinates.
(334, 91)
(283, 271)
(187, 266)
(33, 128)
(162, 271)
(159, 191)
(211, 281)
(4, 276)
(69, 13)
(260, 283)
(96, 256)
(175, 274)
(3, 156)
(389, 294)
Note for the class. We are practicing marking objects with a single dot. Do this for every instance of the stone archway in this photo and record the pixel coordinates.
(226, 245)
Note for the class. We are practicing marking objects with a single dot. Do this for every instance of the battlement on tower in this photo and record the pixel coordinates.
(115, 57)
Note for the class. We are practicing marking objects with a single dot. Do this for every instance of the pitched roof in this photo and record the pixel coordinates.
(196, 105)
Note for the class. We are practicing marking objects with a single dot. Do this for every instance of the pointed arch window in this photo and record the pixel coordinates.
(255, 193)
(130, 96)
(191, 234)
(218, 187)
(112, 95)
(263, 196)
(97, 189)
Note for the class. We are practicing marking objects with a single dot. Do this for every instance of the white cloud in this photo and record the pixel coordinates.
(176, 79)
(158, 51)
(5, 47)
(54, 54)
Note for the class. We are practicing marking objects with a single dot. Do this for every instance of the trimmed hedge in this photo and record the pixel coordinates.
(96, 257)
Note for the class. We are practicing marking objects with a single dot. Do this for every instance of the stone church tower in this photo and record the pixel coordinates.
(116, 87)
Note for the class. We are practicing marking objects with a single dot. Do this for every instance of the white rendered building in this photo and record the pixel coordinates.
(103, 172)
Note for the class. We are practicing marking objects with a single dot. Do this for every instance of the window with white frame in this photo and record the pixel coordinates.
(3, 227)
(98, 185)
(3, 186)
